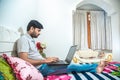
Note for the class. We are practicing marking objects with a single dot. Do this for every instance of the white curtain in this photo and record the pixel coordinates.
(80, 29)
(108, 33)
(100, 26)
(97, 30)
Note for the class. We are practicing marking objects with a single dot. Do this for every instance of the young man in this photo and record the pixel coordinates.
(27, 49)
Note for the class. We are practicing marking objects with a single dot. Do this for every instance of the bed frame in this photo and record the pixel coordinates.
(8, 38)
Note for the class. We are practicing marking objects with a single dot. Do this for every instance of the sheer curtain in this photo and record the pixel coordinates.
(108, 33)
(98, 29)
(80, 29)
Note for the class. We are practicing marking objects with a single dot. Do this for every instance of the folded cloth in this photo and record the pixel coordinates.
(82, 67)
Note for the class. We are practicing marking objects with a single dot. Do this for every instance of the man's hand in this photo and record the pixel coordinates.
(24, 56)
(51, 59)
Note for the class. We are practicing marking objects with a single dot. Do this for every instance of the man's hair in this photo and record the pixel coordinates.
(35, 24)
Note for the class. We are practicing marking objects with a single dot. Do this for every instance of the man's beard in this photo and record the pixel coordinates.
(33, 35)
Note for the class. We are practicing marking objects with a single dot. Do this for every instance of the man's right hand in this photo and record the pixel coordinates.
(51, 59)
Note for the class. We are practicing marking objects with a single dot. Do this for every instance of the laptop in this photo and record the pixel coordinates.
(68, 59)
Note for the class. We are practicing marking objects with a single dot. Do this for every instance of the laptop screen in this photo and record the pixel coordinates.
(70, 53)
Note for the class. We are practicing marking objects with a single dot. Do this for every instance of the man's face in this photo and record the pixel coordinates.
(35, 32)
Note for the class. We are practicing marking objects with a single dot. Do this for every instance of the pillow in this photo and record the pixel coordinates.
(78, 59)
(23, 70)
(108, 57)
(6, 71)
(87, 53)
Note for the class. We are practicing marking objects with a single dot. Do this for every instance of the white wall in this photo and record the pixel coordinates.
(56, 17)
(17, 13)
(114, 4)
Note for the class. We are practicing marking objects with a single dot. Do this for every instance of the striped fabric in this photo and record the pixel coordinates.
(92, 76)
(105, 75)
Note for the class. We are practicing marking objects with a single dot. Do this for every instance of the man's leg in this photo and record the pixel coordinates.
(49, 70)
(82, 67)
(45, 70)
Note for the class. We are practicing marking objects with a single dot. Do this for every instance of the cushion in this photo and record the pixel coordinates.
(87, 53)
(108, 57)
(6, 70)
(23, 70)
(85, 57)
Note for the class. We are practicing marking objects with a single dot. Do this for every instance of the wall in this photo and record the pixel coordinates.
(17, 13)
(56, 17)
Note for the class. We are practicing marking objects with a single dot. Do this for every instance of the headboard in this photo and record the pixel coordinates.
(8, 38)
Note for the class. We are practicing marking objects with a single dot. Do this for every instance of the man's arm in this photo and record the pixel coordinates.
(24, 56)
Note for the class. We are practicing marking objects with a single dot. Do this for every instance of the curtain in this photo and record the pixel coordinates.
(80, 29)
(97, 30)
(108, 33)
(100, 26)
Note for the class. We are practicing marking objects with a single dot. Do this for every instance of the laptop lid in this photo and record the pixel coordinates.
(68, 57)
(71, 53)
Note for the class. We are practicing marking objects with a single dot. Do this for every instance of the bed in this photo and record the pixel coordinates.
(8, 39)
